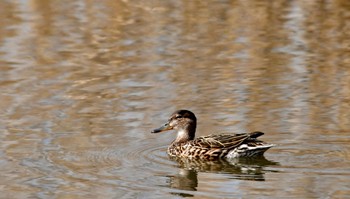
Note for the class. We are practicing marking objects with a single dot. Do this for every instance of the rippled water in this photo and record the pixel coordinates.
(84, 82)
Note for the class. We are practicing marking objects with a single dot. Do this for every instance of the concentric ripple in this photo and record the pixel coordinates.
(129, 168)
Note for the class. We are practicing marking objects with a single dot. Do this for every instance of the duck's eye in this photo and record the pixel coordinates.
(178, 116)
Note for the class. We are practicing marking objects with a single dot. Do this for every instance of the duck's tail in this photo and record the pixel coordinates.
(251, 147)
(249, 151)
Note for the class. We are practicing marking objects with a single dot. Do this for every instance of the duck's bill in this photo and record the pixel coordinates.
(165, 127)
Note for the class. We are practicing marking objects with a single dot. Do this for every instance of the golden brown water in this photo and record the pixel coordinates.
(83, 83)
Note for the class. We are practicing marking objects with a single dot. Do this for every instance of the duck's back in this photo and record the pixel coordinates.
(220, 146)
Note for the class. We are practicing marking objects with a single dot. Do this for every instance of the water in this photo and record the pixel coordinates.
(84, 82)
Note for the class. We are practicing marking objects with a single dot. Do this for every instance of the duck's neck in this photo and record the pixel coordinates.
(186, 134)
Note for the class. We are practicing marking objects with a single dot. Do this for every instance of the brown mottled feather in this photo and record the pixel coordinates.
(210, 146)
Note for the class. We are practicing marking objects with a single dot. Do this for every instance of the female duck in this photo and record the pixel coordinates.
(211, 146)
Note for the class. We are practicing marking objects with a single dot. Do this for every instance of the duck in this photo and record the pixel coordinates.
(210, 147)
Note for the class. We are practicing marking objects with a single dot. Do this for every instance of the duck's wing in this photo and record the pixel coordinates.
(227, 141)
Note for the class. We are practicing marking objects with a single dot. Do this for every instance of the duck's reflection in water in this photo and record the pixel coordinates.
(240, 168)
(186, 179)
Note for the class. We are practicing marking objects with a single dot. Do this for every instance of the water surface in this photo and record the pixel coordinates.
(84, 82)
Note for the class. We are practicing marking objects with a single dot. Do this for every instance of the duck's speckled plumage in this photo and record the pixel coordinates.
(210, 146)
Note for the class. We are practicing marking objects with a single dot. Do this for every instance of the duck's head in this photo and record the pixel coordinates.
(183, 121)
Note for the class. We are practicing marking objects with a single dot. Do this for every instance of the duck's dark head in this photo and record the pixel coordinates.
(184, 122)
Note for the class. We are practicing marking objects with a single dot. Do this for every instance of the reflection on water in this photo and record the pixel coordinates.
(239, 166)
(83, 82)
(185, 180)
(241, 169)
